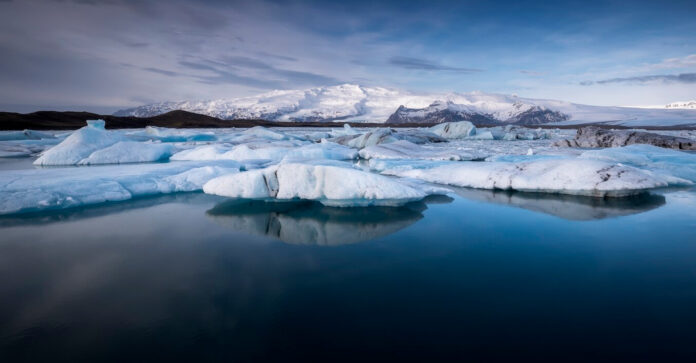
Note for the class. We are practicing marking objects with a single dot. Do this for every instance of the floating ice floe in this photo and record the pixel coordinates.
(269, 152)
(566, 176)
(369, 138)
(56, 188)
(403, 149)
(164, 134)
(454, 130)
(664, 161)
(129, 152)
(25, 135)
(328, 184)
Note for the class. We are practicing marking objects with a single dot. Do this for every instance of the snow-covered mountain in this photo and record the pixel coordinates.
(688, 105)
(350, 102)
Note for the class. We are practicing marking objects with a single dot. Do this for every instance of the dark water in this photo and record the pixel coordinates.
(480, 276)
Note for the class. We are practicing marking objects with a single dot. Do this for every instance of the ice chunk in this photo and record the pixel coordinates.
(129, 152)
(80, 145)
(25, 135)
(678, 163)
(405, 150)
(327, 184)
(346, 130)
(482, 135)
(324, 150)
(567, 176)
(454, 130)
(372, 137)
(55, 188)
(164, 134)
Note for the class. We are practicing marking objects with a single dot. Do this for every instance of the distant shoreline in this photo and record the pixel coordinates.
(69, 120)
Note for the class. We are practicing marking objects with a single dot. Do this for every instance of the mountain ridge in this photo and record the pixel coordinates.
(356, 103)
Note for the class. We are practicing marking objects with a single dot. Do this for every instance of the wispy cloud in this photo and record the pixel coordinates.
(531, 73)
(427, 65)
(686, 78)
(236, 70)
(680, 62)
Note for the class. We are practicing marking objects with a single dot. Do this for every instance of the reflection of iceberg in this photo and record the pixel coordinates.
(311, 223)
(100, 210)
(570, 207)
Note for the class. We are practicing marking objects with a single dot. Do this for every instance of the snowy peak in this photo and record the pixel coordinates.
(687, 105)
(355, 103)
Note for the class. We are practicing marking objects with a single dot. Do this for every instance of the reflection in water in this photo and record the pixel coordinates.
(571, 207)
(99, 210)
(311, 223)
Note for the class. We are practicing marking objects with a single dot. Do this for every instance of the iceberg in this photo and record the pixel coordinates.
(403, 149)
(566, 176)
(25, 135)
(57, 188)
(324, 150)
(93, 145)
(164, 134)
(372, 137)
(454, 130)
(79, 145)
(272, 152)
(129, 152)
(328, 184)
(665, 161)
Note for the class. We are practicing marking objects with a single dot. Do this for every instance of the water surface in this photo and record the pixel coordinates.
(476, 276)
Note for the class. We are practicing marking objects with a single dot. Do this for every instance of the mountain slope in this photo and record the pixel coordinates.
(354, 103)
(688, 105)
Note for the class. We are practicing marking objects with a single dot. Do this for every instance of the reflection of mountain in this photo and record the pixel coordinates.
(570, 207)
(312, 223)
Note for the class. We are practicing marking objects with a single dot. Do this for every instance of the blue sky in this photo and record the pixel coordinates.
(102, 55)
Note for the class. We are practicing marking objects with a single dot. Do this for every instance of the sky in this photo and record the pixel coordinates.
(105, 55)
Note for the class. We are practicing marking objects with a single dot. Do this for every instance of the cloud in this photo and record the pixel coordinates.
(683, 62)
(684, 78)
(531, 73)
(426, 65)
(240, 70)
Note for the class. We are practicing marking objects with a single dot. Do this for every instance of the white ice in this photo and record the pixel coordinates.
(663, 161)
(454, 130)
(328, 184)
(54, 188)
(566, 176)
(403, 149)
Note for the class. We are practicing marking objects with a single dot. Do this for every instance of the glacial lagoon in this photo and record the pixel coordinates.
(477, 273)
(119, 263)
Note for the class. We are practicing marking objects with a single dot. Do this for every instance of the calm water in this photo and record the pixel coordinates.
(478, 276)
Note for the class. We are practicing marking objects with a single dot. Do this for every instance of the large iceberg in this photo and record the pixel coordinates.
(566, 176)
(79, 145)
(328, 184)
(93, 144)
